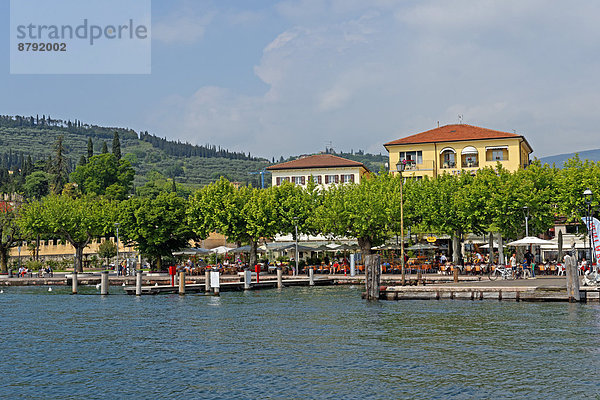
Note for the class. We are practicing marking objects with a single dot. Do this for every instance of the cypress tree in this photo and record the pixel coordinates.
(59, 167)
(104, 148)
(82, 160)
(90, 148)
(116, 146)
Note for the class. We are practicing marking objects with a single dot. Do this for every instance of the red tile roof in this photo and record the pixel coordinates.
(454, 133)
(317, 161)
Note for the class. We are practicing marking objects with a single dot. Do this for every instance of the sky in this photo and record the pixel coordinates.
(282, 77)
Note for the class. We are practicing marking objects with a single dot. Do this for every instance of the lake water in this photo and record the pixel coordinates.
(298, 343)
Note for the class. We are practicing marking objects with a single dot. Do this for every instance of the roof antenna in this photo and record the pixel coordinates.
(438, 124)
(460, 118)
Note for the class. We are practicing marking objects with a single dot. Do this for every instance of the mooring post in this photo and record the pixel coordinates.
(572, 279)
(352, 265)
(247, 279)
(181, 283)
(311, 276)
(279, 278)
(373, 279)
(138, 283)
(207, 281)
(419, 276)
(104, 283)
(215, 278)
(455, 272)
(74, 279)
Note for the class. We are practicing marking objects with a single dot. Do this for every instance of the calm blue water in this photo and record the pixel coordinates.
(298, 343)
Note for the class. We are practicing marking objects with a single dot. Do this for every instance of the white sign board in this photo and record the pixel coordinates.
(593, 226)
(214, 279)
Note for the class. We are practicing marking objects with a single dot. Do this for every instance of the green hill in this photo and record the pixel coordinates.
(189, 164)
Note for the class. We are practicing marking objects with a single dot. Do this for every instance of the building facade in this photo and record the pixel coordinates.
(324, 169)
(454, 148)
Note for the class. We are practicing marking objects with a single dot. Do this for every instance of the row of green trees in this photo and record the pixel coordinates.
(491, 200)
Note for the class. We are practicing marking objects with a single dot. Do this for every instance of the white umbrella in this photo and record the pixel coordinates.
(222, 249)
(526, 241)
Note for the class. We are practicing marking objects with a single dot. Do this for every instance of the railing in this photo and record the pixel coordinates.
(470, 164)
(413, 166)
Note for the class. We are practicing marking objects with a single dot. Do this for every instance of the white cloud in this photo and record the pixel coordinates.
(182, 27)
(363, 73)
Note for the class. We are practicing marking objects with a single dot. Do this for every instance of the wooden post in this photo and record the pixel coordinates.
(207, 281)
(74, 279)
(138, 283)
(247, 279)
(373, 279)
(419, 276)
(181, 283)
(455, 272)
(572, 279)
(104, 283)
(279, 278)
(311, 276)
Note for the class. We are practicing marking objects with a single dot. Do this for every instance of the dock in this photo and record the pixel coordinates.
(543, 289)
(227, 286)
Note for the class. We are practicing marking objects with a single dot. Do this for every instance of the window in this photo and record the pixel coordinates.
(414, 156)
(448, 158)
(332, 179)
(348, 178)
(497, 153)
(316, 179)
(299, 180)
(279, 181)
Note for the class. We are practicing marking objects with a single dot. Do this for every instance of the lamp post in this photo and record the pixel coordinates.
(400, 168)
(526, 214)
(296, 240)
(587, 194)
(117, 263)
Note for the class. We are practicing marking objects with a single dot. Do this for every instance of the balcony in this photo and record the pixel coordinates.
(412, 166)
(470, 164)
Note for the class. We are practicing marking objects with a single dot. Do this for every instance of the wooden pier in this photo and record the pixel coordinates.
(543, 289)
(227, 286)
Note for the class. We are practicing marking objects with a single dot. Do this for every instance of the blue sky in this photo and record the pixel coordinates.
(286, 77)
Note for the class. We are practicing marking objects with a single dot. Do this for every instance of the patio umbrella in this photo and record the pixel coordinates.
(246, 249)
(221, 249)
(422, 246)
(528, 240)
(192, 251)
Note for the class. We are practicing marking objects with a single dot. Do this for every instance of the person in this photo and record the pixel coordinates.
(443, 259)
(584, 265)
(513, 263)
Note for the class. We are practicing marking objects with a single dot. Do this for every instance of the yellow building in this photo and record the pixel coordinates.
(325, 169)
(453, 148)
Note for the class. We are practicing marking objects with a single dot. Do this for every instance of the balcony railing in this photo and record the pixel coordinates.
(470, 164)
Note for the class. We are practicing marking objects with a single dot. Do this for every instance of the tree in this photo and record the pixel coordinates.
(104, 148)
(242, 215)
(37, 185)
(295, 208)
(116, 146)
(82, 160)
(366, 211)
(10, 234)
(59, 167)
(155, 226)
(105, 175)
(90, 148)
(76, 221)
(107, 250)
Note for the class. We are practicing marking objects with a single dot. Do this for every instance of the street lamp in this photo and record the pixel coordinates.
(296, 272)
(587, 195)
(526, 213)
(400, 167)
(117, 263)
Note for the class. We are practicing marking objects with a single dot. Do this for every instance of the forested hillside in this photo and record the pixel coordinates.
(23, 137)
(31, 140)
